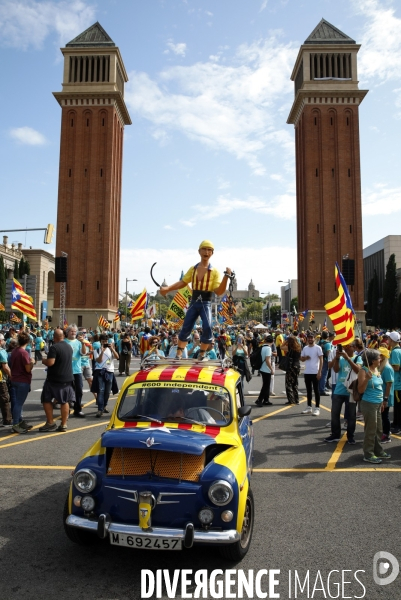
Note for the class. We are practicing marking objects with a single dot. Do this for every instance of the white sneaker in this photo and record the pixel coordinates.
(307, 410)
(316, 412)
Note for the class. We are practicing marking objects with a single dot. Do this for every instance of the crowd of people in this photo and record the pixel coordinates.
(363, 377)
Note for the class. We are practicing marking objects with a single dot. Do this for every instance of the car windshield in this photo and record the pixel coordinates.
(209, 405)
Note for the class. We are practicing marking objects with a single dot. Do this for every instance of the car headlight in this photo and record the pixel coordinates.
(220, 493)
(85, 480)
(205, 516)
(87, 503)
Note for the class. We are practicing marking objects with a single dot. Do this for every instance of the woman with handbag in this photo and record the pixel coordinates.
(240, 355)
(293, 367)
(370, 384)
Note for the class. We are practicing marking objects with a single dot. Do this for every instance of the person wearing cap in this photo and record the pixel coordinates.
(205, 280)
(387, 375)
(395, 362)
(313, 356)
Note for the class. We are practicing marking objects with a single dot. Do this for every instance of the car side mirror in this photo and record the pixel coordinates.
(244, 411)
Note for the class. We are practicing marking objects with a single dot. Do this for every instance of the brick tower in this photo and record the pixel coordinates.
(89, 196)
(326, 120)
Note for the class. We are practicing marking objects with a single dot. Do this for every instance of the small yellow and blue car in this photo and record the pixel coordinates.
(173, 467)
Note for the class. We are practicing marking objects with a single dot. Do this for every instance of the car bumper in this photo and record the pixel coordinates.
(200, 536)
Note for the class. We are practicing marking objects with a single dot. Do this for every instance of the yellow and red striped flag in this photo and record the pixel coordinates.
(139, 306)
(117, 317)
(341, 312)
(2, 307)
(14, 318)
(102, 322)
(21, 301)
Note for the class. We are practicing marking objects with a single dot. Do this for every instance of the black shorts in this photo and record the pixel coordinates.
(62, 392)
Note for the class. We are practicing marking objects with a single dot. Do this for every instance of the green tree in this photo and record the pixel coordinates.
(27, 267)
(21, 268)
(294, 303)
(16, 270)
(2, 281)
(399, 311)
(388, 312)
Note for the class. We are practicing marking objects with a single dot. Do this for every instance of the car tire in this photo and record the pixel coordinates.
(78, 536)
(238, 550)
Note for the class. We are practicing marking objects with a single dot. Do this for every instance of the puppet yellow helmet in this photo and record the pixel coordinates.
(206, 244)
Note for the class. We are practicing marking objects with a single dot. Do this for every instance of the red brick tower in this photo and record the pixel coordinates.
(325, 116)
(89, 197)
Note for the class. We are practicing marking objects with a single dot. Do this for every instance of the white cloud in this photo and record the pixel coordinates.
(380, 55)
(381, 200)
(235, 108)
(168, 227)
(263, 5)
(248, 263)
(222, 184)
(29, 136)
(178, 49)
(282, 206)
(25, 23)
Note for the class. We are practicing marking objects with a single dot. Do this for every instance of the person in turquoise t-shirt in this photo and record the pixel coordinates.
(343, 363)
(77, 343)
(395, 362)
(39, 343)
(387, 373)
(370, 385)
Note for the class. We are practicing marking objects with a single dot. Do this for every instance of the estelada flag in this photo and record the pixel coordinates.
(2, 307)
(117, 317)
(21, 301)
(341, 312)
(102, 322)
(138, 307)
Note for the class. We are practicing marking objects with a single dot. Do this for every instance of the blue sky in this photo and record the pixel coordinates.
(209, 153)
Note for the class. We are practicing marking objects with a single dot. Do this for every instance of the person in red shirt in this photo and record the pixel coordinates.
(21, 366)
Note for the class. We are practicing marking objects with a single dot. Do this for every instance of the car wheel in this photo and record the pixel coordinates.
(237, 551)
(78, 536)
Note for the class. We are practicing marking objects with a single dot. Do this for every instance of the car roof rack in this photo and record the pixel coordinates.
(150, 361)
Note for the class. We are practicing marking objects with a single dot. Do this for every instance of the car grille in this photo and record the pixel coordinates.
(175, 465)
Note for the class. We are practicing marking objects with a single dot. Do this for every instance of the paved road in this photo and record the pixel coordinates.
(319, 509)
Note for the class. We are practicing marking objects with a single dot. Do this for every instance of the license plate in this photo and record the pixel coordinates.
(147, 543)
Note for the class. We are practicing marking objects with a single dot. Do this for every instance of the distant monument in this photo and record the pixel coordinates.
(89, 198)
(326, 120)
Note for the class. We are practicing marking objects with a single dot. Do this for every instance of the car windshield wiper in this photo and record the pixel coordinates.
(145, 417)
(185, 419)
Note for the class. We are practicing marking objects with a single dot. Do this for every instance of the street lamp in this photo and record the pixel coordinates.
(126, 297)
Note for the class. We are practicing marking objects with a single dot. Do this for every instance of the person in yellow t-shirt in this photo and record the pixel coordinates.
(204, 280)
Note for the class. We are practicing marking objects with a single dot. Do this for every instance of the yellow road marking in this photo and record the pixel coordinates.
(331, 464)
(276, 412)
(50, 435)
(57, 467)
(339, 470)
(12, 435)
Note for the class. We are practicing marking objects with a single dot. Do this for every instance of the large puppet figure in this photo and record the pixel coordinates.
(204, 280)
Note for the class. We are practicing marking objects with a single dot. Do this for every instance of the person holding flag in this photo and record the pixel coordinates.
(205, 280)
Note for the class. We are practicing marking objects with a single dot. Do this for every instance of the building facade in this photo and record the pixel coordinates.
(251, 292)
(93, 118)
(325, 114)
(376, 257)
